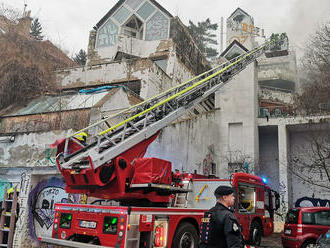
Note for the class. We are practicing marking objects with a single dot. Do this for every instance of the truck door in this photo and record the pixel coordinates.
(245, 206)
(268, 214)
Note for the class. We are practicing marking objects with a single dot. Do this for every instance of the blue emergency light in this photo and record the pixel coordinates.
(264, 179)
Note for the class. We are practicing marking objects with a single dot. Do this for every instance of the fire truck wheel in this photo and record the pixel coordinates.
(255, 233)
(185, 236)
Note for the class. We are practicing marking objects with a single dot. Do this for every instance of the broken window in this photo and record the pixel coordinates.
(146, 10)
(107, 35)
(133, 28)
(157, 27)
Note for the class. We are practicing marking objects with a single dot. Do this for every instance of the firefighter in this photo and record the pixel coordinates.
(177, 178)
(220, 227)
(82, 137)
(10, 194)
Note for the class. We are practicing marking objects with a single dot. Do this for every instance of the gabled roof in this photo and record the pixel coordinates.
(118, 4)
(234, 43)
(239, 9)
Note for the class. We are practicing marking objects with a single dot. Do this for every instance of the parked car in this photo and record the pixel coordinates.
(324, 240)
(303, 226)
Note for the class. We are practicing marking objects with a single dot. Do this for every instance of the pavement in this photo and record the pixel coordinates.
(272, 241)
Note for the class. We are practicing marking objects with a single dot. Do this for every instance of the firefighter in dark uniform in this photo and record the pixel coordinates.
(220, 227)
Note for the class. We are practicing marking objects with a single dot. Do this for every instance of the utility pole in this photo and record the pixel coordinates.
(221, 35)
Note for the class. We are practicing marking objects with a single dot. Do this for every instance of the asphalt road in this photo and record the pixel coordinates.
(273, 241)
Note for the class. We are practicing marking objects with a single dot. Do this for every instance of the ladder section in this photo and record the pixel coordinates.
(181, 199)
(144, 120)
(133, 234)
(8, 219)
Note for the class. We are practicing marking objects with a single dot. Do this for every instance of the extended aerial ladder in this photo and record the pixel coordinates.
(91, 168)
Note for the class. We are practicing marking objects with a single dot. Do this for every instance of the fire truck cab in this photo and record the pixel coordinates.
(255, 202)
(174, 226)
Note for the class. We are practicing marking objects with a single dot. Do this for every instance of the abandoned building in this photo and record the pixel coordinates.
(137, 50)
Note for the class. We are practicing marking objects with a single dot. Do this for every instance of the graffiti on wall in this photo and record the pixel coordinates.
(47, 158)
(312, 202)
(24, 189)
(3, 185)
(209, 167)
(282, 190)
(42, 201)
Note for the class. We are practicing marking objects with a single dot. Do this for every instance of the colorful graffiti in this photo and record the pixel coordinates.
(3, 185)
(42, 201)
(312, 202)
(209, 167)
(48, 158)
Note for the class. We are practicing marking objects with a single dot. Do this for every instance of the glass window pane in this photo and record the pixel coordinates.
(146, 10)
(162, 64)
(122, 15)
(157, 27)
(322, 218)
(107, 35)
(134, 3)
(307, 218)
(292, 216)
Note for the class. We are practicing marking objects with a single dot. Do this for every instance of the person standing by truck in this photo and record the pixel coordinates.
(220, 228)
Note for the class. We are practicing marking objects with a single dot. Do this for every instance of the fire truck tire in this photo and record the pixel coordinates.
(185, 236)
(255, 233)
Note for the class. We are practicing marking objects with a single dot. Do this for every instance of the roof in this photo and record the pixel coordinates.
(239, 9)
(235, 42)
(118, 4)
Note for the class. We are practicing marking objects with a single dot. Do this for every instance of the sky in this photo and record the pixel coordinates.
(67, 22)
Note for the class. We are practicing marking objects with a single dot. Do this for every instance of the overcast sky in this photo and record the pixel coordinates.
(67, 22)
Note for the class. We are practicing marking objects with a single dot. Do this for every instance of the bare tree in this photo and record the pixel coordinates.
(311, 160)
(316, 65)
(239, 161)
(10, 13)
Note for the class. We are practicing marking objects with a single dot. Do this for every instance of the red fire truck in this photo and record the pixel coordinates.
(152, 211)
(176, 226)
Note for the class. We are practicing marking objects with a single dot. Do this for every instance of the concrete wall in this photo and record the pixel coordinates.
(153, 79)
(268, 151)
(76, 119)
(240, 27)
(276, 96)
(30, 150)
(284, 67)
(238, 107)
(190, 145)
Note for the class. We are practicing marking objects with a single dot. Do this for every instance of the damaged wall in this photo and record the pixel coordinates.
(190, 145)
(118, 72)
(76, 119)
(30, 150)
(186, 49)
(283, 68)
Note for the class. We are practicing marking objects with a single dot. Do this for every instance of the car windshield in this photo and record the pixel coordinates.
(292, 216)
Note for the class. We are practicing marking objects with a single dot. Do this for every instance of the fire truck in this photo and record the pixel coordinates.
(153, 211)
